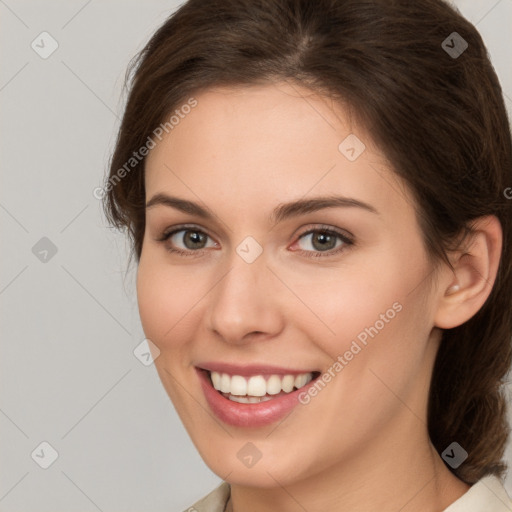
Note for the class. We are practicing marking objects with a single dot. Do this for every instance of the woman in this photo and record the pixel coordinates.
(316, 195)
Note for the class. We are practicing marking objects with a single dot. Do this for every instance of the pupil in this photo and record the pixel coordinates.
(195, 238)
(323, 237)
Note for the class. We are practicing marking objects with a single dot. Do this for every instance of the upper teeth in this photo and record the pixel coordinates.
(257, 385)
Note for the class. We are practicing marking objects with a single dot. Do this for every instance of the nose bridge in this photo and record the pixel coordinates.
(243, 301)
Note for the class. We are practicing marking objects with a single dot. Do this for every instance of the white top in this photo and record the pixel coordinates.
(487, 495)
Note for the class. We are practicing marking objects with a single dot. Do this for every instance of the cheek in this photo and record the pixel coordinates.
(351, 298)
(379, 303)
(382, 333)
(165, 297)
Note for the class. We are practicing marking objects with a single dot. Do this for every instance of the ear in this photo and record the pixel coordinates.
(463, 292)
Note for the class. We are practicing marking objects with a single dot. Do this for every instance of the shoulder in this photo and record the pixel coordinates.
(486, 495)
(215, 501)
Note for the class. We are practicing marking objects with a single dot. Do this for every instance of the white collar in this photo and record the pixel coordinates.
(486, 495)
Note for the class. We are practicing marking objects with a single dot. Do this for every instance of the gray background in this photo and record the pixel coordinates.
(70, 324)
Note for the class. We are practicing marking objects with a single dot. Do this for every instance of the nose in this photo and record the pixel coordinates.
(244, 305)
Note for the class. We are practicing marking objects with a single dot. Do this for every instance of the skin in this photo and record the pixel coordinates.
(362, 443)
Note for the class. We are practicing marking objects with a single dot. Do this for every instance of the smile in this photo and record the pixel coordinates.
(252, 396)
(258, 388)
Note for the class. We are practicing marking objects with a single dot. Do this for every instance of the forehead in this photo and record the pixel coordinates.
(278, 141)
(230, 121)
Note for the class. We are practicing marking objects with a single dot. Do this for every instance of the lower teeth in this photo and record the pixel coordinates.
(248, 399)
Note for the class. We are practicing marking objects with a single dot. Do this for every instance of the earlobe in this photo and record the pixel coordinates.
(454, 288)
(464, 291)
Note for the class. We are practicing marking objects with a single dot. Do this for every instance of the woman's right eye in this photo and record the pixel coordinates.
(186, 241)
(192, 240)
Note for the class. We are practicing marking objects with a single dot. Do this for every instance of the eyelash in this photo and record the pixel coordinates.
(347, 242)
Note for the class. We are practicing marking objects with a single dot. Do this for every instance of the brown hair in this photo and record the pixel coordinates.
(439, 118)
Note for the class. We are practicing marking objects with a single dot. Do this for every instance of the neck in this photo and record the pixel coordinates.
(406, 475)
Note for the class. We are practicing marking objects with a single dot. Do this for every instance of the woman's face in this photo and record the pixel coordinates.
(302, 258)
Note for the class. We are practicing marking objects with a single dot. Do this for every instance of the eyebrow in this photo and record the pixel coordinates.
(281, 212)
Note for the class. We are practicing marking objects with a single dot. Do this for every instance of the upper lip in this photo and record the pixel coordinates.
(250, 369)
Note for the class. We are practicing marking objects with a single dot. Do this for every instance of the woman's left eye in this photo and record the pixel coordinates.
(322, 239)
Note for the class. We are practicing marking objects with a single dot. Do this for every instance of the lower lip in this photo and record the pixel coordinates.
(248, 415)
